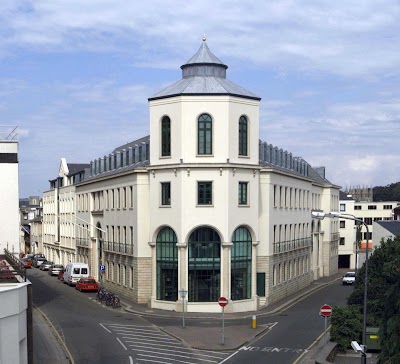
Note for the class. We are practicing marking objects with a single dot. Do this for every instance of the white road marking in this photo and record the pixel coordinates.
(122, 344)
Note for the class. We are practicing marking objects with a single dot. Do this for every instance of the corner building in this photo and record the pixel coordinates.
(203, 206)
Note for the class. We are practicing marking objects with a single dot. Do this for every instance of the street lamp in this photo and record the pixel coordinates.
(321, 215)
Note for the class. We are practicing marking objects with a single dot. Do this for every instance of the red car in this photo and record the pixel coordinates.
(87, 284)
(25, 263)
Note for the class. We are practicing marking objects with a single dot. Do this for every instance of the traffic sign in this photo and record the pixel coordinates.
(326, 310)
(222, 301)
(102, 268)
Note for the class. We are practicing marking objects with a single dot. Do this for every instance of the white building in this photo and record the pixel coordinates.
(202, 205)
(367, 211)
(9, 198)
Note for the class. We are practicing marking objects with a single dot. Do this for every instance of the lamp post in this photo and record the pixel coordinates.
(321, 215)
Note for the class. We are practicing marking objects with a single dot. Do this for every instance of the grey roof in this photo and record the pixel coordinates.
(76, 167)
(204, 74)
(143, 140)
(393, 226)
(343, 196)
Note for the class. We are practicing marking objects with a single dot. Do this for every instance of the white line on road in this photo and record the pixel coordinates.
(122, 344)
(105, 328)
(230, 356)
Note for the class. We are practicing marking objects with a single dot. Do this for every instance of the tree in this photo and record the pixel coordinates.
(346, 326)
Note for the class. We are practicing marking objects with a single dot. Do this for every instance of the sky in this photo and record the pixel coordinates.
(76, 75)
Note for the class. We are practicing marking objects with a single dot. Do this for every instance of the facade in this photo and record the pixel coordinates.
(385, 230)
(9, 214)
(369, 212)
(30, 210)
(202, 205)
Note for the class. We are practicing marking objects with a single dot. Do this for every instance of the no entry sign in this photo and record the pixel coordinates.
(326, 310)
(222, 301)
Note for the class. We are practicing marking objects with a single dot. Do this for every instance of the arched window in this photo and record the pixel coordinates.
(167, 265)
(243, 131)
(241, 264)
(204, 265)
(204, 134)
(166, 137)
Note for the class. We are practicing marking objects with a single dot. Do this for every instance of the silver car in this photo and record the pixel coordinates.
(349, 278)
(55, 269)
(46, 265)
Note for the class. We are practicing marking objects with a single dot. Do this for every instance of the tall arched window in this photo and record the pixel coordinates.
(167, 265)
(166, 137)
(204, 265)
(204, 134)
(243, 130)
(241, 264)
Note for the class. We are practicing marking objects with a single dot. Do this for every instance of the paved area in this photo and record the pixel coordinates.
(48, 349)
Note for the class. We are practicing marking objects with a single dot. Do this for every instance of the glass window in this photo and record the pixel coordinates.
(241, 264)
(342, 224)
(167, 265)
(204, 265)
(342, 241)
(165, 193)
(204, 193)
(371, 207)
(387, 207)
(165, 137)
(342, 207)
(243, 136)
(204, 134)
(243, 193)
(357, 207)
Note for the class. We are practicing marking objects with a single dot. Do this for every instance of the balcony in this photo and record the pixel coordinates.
(117, 248)
(290, 245)
(82, 242)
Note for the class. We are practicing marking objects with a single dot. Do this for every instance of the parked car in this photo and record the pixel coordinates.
(74, 271)
(38, 262)
(61, 275)
(46, 265)
(87, 284)
(55, 269)
(349, 278)
(25, 263)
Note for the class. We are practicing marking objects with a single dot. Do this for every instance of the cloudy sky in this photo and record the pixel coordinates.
(75, 76)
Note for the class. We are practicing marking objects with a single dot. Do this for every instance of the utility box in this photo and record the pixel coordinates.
(372, 339)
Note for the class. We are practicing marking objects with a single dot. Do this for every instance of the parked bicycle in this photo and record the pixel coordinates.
(110, 299)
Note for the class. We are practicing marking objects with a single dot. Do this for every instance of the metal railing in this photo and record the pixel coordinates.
(13, 269)
(286, 246)
(117, 247)
(82, 242)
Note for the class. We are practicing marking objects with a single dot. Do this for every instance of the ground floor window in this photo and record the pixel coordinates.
(241, 264)
(204, 265)
(167, 265)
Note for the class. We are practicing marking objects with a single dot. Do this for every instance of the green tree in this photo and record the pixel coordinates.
(346, 326)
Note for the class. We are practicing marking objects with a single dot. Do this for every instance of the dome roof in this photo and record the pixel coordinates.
(204, 74)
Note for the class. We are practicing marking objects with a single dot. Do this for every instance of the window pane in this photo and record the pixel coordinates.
(166, 137)
(243, 136)
(242, 193)
(166, 193)
(204, 134)
(204, 193)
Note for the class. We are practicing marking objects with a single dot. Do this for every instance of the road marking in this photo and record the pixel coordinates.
(122, 344)
(105, 328)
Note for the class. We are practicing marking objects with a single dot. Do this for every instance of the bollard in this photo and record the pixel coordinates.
(254, 322)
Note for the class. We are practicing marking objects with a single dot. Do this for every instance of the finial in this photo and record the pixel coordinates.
(204, 37)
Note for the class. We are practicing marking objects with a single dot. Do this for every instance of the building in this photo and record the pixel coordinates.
(367, 211)
(200, 206)
(30, 210)
(9, 213)
(385, 230)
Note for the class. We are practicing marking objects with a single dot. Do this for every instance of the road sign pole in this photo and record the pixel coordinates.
(326, 318)
(223, 326)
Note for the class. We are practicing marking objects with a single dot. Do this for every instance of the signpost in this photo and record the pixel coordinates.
(325, 311)
(183, 294)
(222, 301)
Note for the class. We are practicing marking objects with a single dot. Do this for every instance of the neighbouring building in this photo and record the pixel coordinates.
(9, 212)
(367, 211)
(384, 230)
(30, 210)
(201, 205)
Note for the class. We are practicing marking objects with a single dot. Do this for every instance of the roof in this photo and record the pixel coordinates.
(343, 196)
(74, 168)
(204, 74)
(138, 142)
(393, 226)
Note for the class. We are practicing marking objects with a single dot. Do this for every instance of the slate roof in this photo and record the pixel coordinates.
(140, 141)
(76, 167)
(204, 74)
(393, 226)
(343, 196)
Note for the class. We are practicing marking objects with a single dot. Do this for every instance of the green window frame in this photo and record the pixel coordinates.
(204, 135)
(204, 256)
(165, 193)
(204, 193)
(166, 137)
(241, 261)
(243, 136)
(243, 193)
(167, 265)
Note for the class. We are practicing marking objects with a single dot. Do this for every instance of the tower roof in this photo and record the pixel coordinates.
(204, 74)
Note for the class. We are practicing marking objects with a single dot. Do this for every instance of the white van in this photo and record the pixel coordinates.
(75, 271)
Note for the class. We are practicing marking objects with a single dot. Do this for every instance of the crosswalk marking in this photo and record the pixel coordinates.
(149, 344)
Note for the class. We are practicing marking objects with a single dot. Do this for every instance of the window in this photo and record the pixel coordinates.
(165, 193)
(387, 207)
(342, 207)
(243, 136)
(342, 224)
(243, 193)
(357, 207)
(166, 137)
(368, 220)
(341, 241)
(204, 134)
(204, 193)
(371, 207)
